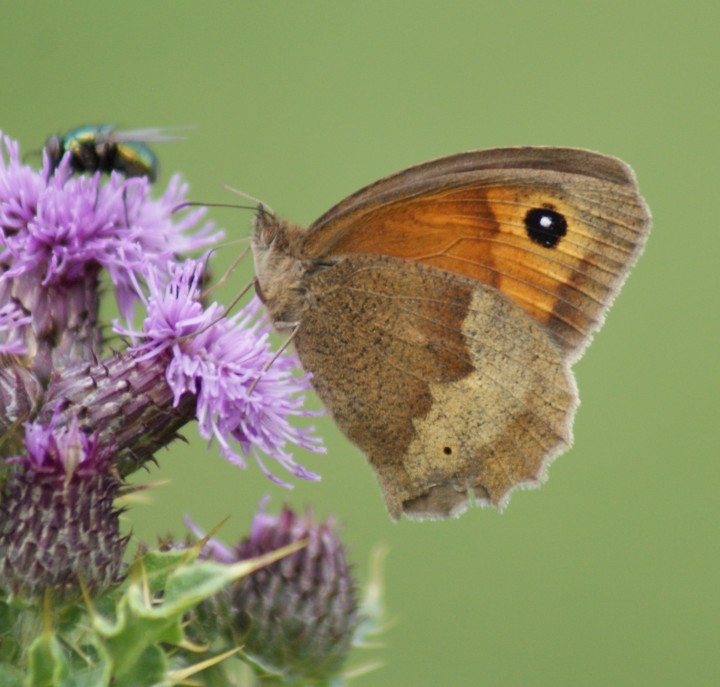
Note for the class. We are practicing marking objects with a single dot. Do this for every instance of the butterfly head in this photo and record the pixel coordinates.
(279, 272)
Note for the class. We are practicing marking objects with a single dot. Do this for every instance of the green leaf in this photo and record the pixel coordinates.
(135, 634)
(6, 619)
(89, 667)
(156, 566)
(10, 677)
(194, 583)
(137, 627)
(149, 669)
(372, 607)
(8, 640)
(47, 663)
(143, 620)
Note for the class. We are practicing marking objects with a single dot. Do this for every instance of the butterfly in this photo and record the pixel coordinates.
(440, 309)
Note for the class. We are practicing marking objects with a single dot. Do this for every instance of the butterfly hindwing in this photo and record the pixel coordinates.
(445, 385)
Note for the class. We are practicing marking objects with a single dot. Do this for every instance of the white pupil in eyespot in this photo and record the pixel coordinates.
(546, 222)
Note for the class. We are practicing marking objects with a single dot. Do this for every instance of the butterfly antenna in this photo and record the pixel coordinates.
(278, 353)
(260, 207)
(260, 204)
(194, 204)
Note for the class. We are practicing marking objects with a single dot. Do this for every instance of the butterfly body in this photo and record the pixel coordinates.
(282, 273)
(440, 309)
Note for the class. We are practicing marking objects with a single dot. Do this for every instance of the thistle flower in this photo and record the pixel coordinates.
(58, 525)
(57, 233)
(89, 418)
(75, 420)
(223, 362)
(297, 616)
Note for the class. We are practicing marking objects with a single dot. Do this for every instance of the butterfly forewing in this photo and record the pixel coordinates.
(487, 224)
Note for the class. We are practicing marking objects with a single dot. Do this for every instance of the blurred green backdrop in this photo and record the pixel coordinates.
(608, 575)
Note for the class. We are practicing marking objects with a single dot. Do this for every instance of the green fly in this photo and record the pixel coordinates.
(104, 149)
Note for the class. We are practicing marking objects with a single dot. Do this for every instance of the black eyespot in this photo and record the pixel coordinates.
(447, 451)
(545, 226)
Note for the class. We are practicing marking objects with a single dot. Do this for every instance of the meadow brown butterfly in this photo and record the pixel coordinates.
(440, 309)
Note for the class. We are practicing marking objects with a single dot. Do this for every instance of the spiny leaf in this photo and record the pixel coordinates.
(142, 621)
(191, 584)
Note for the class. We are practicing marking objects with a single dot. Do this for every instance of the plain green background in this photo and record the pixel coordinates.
(609, 574)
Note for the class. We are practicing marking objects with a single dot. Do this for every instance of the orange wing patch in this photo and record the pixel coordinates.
(485, 232)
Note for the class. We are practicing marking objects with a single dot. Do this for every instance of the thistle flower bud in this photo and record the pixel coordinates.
(57, 521)
(296, 616)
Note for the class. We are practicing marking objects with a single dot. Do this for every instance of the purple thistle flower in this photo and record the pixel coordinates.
(61, 449)
(297, 616)
(56, 226)
(20, 188)
(95, 418)
(58, 232)
(222, 362)
(58, 525)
